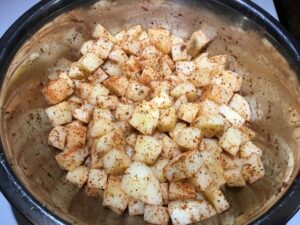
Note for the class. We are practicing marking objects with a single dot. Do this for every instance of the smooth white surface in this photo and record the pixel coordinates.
(10, 10)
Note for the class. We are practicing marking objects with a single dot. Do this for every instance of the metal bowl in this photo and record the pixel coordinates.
(261, 50)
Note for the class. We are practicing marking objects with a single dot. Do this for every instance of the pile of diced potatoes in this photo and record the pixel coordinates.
(153, 123)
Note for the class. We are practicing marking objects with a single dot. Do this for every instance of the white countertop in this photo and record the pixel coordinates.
(10, 10)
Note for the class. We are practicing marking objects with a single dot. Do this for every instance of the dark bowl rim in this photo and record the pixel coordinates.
(28, 205)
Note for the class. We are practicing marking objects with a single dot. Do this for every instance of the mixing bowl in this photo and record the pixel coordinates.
(52, 32)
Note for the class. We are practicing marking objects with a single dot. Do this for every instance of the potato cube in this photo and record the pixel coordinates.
(131, 45)
(59, 114)
(217, 199)
(160, 86)
(129, 151)
(177, 129)
(101, 127)
(97, 179)
(83, 113)
(228, 80)
(217, 94)
(210, 124)
(57, 137)
(167, 59)
(112, 68)
(74, 72)
(167, 119)
(179, 52)
(189, 138)
(140, 183)
(87, 47)
(70, 159)
(170, 148)
(135, 207)
(162, 101)
(233, 117)
(200, 77)
(150, 56)
(76, 135)
(96, 91)
(166, 71)
(179, 190)
(208, 107)
(64, 75)
(97, 77)
(115, 162)
(199, 39)
(100, 32)
(161, 38)
(118, 55)
(239, 104)
(144, 40)
(186, 88)
(117, 85)
(108, 102)
(248, 132)
(164, 187)
(202, 179)
(131, 139)
(132, 67)
(114, 197)
(83, 89)
(78, 176)
(176, 40)
(100, 113)
(57, 90)
(158, 169)
(137, 91)
(249, 148)
(89, 62)
(230, 162)
(147, 149)
(156, 214)
(124, 111)
(103, 47)
(175, 169)
(145, 118)
(185, 68)
(234, 178)
(253, 169)
(180, 101)
(188, 112)
(148, 75)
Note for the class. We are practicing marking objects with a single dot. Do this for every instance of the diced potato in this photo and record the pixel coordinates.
(124, 127)
(217, 94)
(76, 135)
(144, 40)
(150, 56)
(74, 72)
(100, 31)
(89, 62)
(233, 117)
(100, 113)
(167, 119)
(184, 212)
(103, 47)
(230, 162)
(210, 124)
(179, 190)
(114, 197)
(145, 118)
(220, 61)
(158, 169)
(131, 139)
(192, 162)
(189, 138)
(160, 86)
(134, 31)
(124, 111)
(118, 55)
(84, 89)
(228, 80)
(253, 169)
(176, 40)
(185, 88)
(248, 132)
(170, 148)
(175, 169)
(115, 162)
(179, 52)
(161, 38)
(64, 75)
(69, 159)
(208, 107)
(59, 114)
(239, 104)
(188, 112)
(200, 77)
(217, 199)
(78, 176)
(135, 207)
(164, 187)
(129, 151)
(177, 129)
(57, 137)
(132, 68)
(137, 91)
(101, 127)
(83, 113)
(148, 75)
(140, 183)
(112, 68)
(185, 68)
(97, 91)
(234, 178)
(97, 179)
(156, 214)
(57, 90)
(119, 37)
(117, 85)
(131, 45)
(97, 77)
(87, 47)
(180, 101)
(202, 179)
(199, 39)
(166, 71)
(167, 59)
(162, 101)
(147, 149)
(108, 102)
(249, 148)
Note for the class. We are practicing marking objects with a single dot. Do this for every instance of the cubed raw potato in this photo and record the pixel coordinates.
(97, 77)
(180, 101)
(87, 47)
(175, 169)
(234, 178)
(200, 77)
(164, 187)
(135, 207)
(57, 137)
(200, 39)
(124, 111)
(189, 138)
(97, 91)
(179, 52)
(185, 68)
(160, 86)
(170, 148)
(132, 68)
(201, 179)
(100, 113)
(64, 75)
(118, 55)
(112, 68)
(208, 107)
(90, 62)
(114, 197)
(115, 162)
(188, 112)
(167, 119)
(131, 45)
(134, 31)
(156, 214)
(74, 72)
(176, 40)
(83, 113)
(232, 116)
(253, 169)
(239, 104)
(228, 80)
(161, 38)
(131, 139)
(150, 56)
(249, 148)
(101, 127)
(167, 59)
(69, 159)
(145, 118)
(76, 135)
(192, 162)
(136, 91)
(103, 47)
(59, 114)
(166, 71)
(210, 124)
(179, 190)
(220, 61)
(248, 132)
(100, 32)
(108, 102)
(217, 94)
(117, 85)
(119, 37)
(83, 89)
(230, 162)
(186, 88)
(97, 179)
(184, 212)
(231, 140)
(140, 183)
(158, 169)
(177, 129)
(162, 101)
(217, 199)
(57, 90)
(129, 151)
(147, 149)
(144, 40)
(148, 75)
(78, 176)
